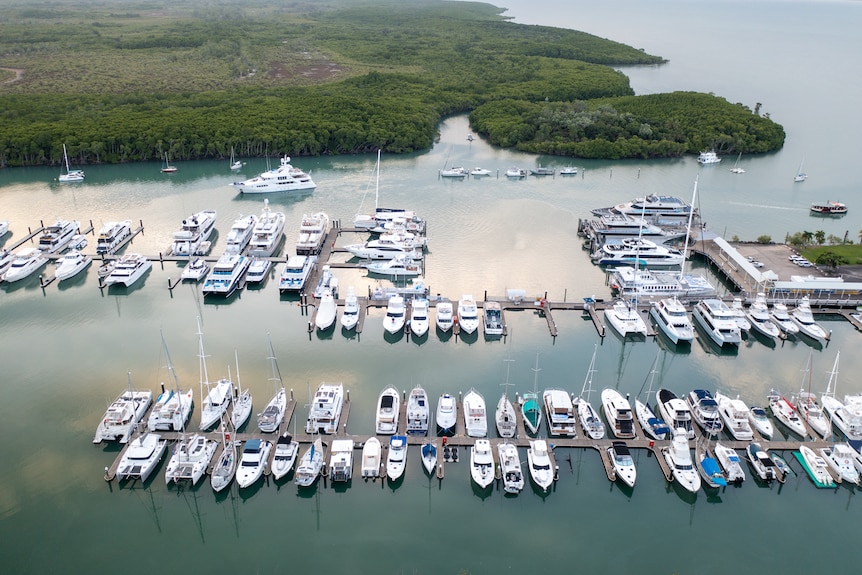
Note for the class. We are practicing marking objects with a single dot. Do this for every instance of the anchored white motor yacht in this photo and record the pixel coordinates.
(284, 178)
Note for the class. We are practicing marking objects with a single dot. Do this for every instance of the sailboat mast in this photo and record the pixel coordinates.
(377, 183)
(688, 229)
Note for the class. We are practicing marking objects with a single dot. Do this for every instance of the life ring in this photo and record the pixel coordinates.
(846, 462)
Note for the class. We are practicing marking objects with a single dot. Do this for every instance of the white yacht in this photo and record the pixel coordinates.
(4, 227)
(325, 412)
(708, 157)
(516, 172)
(841, 457)
(618, 413)
(397, 267)
(638, 252)
(310, 465)
(674, 411)
(846, 416)
(738, 312)
(590, 421)
(734, 413)
(455, 172)
(479, 171)
(812, 413)
(350, 314)
(26, 262)
(510, 468)
(71, 176)
(395, 314)
(112, 235)
(389, 249)
(784, 412)
(804, 320)
(56, 237)
(419, 321)
(327, 310)
(190, 459)
(678, 457)
(296, 272)
(396, 460)
(273, 414)
(129, 269)
(653, 425)
(194, 234)
(258, 270)
(371, 458)
(123, 415)
(505, 417)
(492, 318)
(653, 206)
(560, 412)
(141, 457)
(717, 321)
(729, 461)
(195, 270)
(255, 456)
(267, 233)
(341, 460)
(704, 408)
(226, 275)
(418, 412)
(443, 316)
(761, 463)
(171, 410)
(625, 319)
(475, 415)
(284, 178)
(224, 469)
(447, 414)
(761, 321)
(759, 420)
(623, 464)
(242, 403)
(388, 410)
(781, 317)
(71, 264)
(428, 453)
(284, 458)
(6, 260)
(216, 401)
(482, 463)
(239, 236)
(816, 467)
(468, 314)
(672, 319)
(540, 464)
(644, 284)
(312, 233)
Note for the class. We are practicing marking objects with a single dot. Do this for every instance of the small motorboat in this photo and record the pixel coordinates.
(350, 315)
(71, 265)
(510, 467)
(761, 463)
(255, 455)
(195, 270)
(326, 311)
(624, 465)
(444, 316)
(371, 458)
(286, 450)
(482, 463)
(429, 456)
(396, 461)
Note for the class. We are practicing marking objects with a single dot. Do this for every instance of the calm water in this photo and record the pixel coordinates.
(67, 349)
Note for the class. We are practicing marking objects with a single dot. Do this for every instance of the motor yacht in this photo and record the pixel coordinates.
(226, 275)
(481, 463)
(653, 206)
(25, 263)
(350, 314)
(129, 269)
(674, 411)
(479, 171)
(539, 463)
(730, 463)
(56, 237)
(258, 270)
(396, 460)
(194, 234)
(284, 178)
(846, 416)
(267, 233)
(625, 319)
(112, 235)
(419, 322)
(738, 312)
(455, 172)
(446, 414)
(708, 157)
(492, 317)
(312, 233)
(678, 458)
(672, 319)
(468, 314)
(637, 252)
(804, 320)
(141, 457)
(516, 173)
(239, 236)
(327, 281)
(388, 410)
(704, 408)
(326, 311)
(841, 457)
(296, 272)
(371, 458)
(760, 421)
(717, 321)
(71, 264)
(325, 412)
(622, 462)
(642, 284)
(475, 415)
(708, 467)
(812, 413)
(510, 468)
(399, 247)
(418, 412)
(255, 456)
(195, 270)
(341, 460)
(618, 413)
(395, 312)
(816, 467)
(781, 317)
(560, 412)
(761, 320)
(734, 413)
(443, 316)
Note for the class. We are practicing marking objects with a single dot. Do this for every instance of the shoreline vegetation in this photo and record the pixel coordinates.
(194, 80)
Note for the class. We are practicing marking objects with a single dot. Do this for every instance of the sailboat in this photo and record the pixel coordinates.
(800, 175)
(384, 218)
(505, 416)
(242, 406)
(215, 403)
(273, 414)
(651, 423)
(590, 421)
(531, 409)
(225, 468)
(736, 169)
(808, 407)
(70, 175)
(234, 163)
(167, 168)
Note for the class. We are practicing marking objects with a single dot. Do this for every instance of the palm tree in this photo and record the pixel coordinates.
(820, 236)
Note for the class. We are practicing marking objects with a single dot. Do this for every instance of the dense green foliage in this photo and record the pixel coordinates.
(195, 78)
(652, 126)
